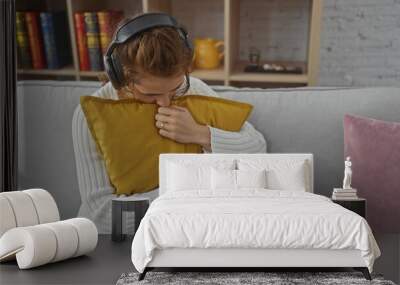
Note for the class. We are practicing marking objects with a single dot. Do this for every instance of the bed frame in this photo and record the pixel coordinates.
(251, 259)
(245, 259)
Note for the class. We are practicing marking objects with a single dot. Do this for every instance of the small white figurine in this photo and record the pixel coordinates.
(347, 174)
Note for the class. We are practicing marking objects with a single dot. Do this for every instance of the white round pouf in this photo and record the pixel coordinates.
(32, 246)
(23, 208)
(30, 230)
(46, 207)
(7, 216)
(40, 244)
(67, 240)
(87, 232)
(26, 208)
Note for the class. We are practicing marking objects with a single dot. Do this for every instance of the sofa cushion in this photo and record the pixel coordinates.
(127, 138)
(374, 148)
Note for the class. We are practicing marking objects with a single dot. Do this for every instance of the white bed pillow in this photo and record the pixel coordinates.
(188, 175)
(282, 174)
(251, 178)
(236, 179)
(223, 179)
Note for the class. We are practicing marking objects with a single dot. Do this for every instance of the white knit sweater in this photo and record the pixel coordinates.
(94, 185)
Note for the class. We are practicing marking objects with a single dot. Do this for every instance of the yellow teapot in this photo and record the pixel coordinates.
(208, 53)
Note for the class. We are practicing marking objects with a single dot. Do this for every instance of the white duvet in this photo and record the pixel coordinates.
(251, 218)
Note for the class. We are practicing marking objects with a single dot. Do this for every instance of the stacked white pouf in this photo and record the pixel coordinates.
(31, 230)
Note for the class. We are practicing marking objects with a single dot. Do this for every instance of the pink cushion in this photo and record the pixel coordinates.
(374, 148)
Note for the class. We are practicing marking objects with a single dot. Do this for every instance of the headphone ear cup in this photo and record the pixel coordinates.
(190, 45)
(186, 39)
(109, 68)
(118, 71)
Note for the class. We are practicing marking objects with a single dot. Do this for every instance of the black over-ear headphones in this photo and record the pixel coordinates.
(132, 29)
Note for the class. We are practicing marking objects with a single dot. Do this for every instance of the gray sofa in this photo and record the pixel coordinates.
(292, 120)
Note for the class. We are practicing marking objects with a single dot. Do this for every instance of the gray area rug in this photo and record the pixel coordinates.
(269, 278)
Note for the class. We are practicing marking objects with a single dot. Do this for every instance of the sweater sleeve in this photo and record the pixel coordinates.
(247, 140)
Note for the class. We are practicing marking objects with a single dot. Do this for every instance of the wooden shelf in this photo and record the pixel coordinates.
(231, 69)
(210, 74)
(90, 73)
(270, 78)
(235, 70)
(238, 74)
(68, 70)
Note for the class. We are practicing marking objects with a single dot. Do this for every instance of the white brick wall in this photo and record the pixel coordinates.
(360, 43)
(203, 18)
(277, 28)
(360, 40)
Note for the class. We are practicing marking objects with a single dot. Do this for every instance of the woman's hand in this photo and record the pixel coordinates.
(177, 123)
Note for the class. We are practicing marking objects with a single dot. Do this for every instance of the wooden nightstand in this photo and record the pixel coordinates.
(358, 205)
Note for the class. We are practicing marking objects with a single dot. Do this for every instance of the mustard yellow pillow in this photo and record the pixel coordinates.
(129, 142)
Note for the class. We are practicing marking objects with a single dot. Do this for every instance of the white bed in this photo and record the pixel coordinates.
(249, 227)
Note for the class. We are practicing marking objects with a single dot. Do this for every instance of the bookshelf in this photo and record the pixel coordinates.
(231, 70)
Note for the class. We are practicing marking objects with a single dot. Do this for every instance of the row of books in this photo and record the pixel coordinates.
(344, 194)
(94, 31)
(41, 40)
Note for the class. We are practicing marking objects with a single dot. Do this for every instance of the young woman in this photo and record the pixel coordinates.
(156, 65)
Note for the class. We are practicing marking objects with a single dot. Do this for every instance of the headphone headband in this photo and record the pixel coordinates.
(132, 29)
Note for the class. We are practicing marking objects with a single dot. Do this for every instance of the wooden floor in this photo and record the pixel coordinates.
(102, 266)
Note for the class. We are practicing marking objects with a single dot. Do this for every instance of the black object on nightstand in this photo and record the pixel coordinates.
(358, 205)
(119, 205)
